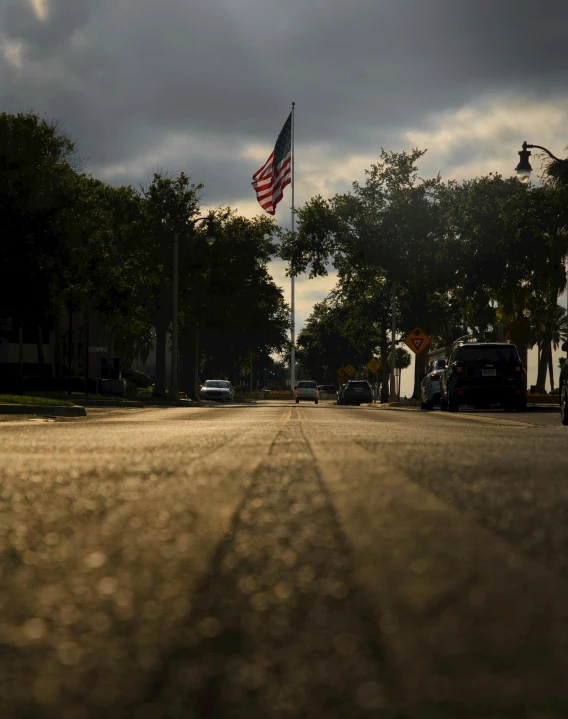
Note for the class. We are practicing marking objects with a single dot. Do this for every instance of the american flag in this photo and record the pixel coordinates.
(271, 179)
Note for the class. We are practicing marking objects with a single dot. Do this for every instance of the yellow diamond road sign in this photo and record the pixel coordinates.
(349, 369)
(374, 365)
(417, 340)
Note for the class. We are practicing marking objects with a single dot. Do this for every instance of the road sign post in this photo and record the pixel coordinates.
(374, 365)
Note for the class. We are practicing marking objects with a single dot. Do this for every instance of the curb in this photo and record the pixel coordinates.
(107, 403)
(53, 411)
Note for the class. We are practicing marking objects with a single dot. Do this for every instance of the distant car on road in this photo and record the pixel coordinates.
(484, 374)
(218, 390)
(355, 392)
(307, 390)
(329, 388)
(430, 385)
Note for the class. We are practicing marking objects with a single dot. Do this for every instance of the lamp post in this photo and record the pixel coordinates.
(524, 170)
(210, 238)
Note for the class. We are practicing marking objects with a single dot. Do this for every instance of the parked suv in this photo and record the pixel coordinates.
(483, 374)
(355, 392)
(430, 385)
(307, 390)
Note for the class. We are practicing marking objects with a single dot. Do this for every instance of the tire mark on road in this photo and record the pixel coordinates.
(279, 628)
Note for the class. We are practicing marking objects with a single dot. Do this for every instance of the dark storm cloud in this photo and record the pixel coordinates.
(126, 74)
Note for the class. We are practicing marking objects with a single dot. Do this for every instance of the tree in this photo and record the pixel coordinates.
(36, 170)
(388, 228)
(229, 295)
(169, 204)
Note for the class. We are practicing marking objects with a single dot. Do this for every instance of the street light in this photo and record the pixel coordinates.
(524, 168)
(210, 238)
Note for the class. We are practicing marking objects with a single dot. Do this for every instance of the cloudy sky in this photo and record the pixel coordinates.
(204, 86)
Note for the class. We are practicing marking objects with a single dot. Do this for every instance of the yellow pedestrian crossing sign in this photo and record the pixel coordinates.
(349, 369)
(374, 365)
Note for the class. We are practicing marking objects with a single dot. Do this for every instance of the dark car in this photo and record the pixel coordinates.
(484, 374)
(355, 392)
(564, 388)
(329, 388)
(430, 385)
(217, 389)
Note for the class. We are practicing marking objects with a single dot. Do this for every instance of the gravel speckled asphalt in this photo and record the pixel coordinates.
(283, 561)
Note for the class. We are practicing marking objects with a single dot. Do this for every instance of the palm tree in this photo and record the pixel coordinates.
(548, 333)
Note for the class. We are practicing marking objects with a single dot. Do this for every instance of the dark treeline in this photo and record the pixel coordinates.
(66, 237)
(484, 256)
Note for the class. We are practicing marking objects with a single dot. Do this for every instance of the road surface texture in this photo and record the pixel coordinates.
(278, 561)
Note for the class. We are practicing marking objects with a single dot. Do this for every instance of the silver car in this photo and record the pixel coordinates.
(218, 390)
(430, 385)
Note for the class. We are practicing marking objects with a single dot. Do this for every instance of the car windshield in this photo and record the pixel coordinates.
(217, 383)
(491, 354)
(359, 384)
(307, 385)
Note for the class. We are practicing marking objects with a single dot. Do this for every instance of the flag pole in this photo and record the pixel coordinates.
(292, 303)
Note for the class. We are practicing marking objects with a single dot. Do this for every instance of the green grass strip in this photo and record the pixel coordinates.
(25, 399)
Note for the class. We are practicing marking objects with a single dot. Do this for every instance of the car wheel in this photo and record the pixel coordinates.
(316, 401)
(297, 401)
(453, 403)
(443, 403)
(430, 404)
(422, 404)
(564, 405)
(508, 406)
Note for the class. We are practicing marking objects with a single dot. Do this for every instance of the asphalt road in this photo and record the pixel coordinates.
(284, 561)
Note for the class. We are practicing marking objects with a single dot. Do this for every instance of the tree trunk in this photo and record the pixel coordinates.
(161, 340)
(419, 372)
(384, 365)
(524, 355)
(58, 344)
(542, 366)
(40, 354)
(187, 352)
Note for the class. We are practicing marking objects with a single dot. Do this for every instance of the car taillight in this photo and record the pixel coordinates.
(317, 391)
(296, 390)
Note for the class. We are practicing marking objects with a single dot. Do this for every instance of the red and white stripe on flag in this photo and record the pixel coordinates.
(276, 173)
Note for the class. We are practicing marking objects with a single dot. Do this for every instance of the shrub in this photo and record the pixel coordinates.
(140, 379)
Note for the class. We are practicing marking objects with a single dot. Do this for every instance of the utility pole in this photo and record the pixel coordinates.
(174, 392)
(70, 349)
(196, 368)
(86, 351)
(393, 396)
